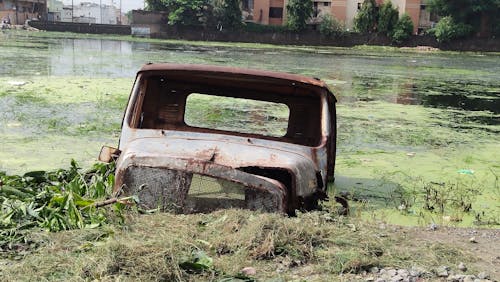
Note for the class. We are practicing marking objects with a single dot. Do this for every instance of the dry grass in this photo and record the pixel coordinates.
(312, 246)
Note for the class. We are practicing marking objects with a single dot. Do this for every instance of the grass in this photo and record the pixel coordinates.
(313, 246)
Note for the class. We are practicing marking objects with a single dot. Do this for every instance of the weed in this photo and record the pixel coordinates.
(57, 200)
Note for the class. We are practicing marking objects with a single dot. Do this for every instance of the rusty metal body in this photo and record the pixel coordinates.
(161, 156)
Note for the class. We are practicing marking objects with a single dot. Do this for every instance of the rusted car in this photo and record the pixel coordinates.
(196, 138)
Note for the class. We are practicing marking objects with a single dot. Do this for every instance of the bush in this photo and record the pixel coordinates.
(403, 29)
(387, 17)
(330, 26)
(298, 12)
(447, 29)
(366, 19)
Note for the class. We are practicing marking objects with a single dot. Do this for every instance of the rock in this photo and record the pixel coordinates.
(483, 275)
(403, 272)
(380, 280)
(397, 278)
(416, 271)
(249, 271)
(442, 271)
(370, 279)
(469, 278)
(462, 267)
(472, 240)
(392, 272)
(456, 278)
(374, 269)
(433, 227)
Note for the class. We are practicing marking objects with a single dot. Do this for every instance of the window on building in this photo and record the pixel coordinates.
(359, 6)
(247, 4)
(276, 12)
(326, 4)
(422, 7)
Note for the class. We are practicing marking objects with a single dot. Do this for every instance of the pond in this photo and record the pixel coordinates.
(416, 130)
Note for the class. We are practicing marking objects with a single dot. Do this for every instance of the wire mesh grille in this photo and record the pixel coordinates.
(184, 192)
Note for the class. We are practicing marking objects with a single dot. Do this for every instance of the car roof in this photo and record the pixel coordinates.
(228, 75)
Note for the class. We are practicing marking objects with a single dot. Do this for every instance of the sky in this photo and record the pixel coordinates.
(127, 5)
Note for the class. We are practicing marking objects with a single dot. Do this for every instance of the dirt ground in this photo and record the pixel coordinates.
(483, 244)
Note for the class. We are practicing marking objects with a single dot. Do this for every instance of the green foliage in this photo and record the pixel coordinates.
(447, 29)
(155, 5)
(330, 26)
(403, 29)
(197, 262)
(366, 19)
(387, 17)
(184, 12)
(55, 200)
(477, 15)
(228, 13)
(298, 12)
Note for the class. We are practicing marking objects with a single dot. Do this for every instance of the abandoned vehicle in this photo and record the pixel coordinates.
(196, 138)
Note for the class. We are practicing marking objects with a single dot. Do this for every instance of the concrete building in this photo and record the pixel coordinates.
(18, 11)
(346, 11)
(84, 12)
(267, 12)
(55, 10)
(273, 12)
(88, 12)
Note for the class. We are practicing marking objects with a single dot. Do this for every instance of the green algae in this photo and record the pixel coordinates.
(406, 120)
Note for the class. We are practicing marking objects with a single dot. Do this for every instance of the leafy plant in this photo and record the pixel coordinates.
(387, 17)
(402, 30)
(330, 26)
(366, 19)
(447, 29)
(298, 12)
(228, 13)
(58, 200)
(198, 262)
(184, 12)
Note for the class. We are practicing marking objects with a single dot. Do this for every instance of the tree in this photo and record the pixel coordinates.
(387, 17)
(298, 12)
(228, 13)
(155, 5)
(403, 29)
(330, 26)
(481, 15)
(366, 19)
(447, 29)
(185, 12)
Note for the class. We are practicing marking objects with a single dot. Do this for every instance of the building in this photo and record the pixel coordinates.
(266, 12)
(18, 11)
(273, 12)
(84, 12)
(346, 10)
(55, 10)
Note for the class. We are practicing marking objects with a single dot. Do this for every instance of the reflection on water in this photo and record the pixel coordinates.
(442, 80)
(83, 56)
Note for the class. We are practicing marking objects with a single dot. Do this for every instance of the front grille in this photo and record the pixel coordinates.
(184, 192)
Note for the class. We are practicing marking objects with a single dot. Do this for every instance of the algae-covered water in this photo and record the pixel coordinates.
(418, 132)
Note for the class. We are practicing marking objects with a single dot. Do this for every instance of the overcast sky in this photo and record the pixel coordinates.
(127, 5)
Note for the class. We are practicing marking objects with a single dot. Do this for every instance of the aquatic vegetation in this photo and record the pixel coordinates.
(400, 112)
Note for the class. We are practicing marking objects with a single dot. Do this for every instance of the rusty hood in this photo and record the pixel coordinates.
(228, 151)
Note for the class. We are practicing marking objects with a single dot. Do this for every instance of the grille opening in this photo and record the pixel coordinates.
(184, 192)
(280, 175)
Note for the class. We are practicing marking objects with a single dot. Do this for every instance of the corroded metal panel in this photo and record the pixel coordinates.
(165, 161)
